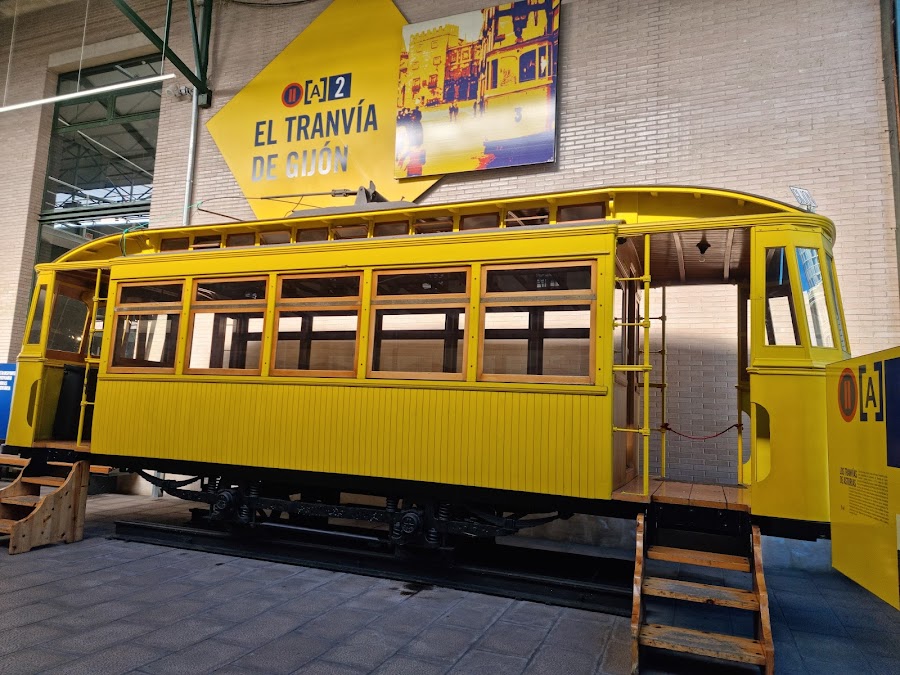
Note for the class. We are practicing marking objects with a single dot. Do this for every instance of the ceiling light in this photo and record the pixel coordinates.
(88, 92)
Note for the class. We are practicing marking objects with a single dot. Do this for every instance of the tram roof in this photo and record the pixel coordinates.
(631, 210)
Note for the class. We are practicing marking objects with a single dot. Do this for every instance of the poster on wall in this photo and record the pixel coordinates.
(478, 90)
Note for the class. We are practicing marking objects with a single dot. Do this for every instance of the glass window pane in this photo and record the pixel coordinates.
(145, 340)
(422, 283)
(242, 239)
(781, 322)
(481, 221)
(581, 212)
(317, 340)
(429, 225)
(521, 217)
(315, 234)
(539, 279)
(174, 244)
(391, 229)
(207, 241)
(251, 289)
(67, 324)
(351, 231)
(537, 340)
(835, 304)
(226, 340)
(320, 287)
(133, 295)
(34, 335)
(277, 237)
(419, 340)
(813, 292)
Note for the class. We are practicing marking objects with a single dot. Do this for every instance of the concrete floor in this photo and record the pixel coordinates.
(106, 606)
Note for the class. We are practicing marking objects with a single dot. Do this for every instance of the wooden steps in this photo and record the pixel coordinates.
(15, 460)
(24, 500)
(32, 519)
(721, 561)
(757, 651)
(706, 594)
(713, 645)
(48, 481)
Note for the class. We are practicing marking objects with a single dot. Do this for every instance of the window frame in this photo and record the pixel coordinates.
(343, 303)
(427, 301)
(74, 293)
(233, 306)
(144, 309)
(547, 299)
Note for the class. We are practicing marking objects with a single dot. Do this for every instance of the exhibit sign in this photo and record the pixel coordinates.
(863, 407)
(7, 380)
(321, 116)
(478, 90)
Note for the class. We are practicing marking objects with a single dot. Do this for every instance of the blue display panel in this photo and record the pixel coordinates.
(7, 378)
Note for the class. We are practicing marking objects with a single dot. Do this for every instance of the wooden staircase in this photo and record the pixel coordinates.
(34, 519)
(758, 651)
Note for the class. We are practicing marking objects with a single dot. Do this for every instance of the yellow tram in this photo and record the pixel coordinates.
(490, 352)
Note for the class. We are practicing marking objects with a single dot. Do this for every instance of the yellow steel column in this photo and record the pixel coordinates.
(662, 390)
(645, 324)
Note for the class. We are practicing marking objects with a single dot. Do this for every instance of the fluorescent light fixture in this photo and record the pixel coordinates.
(89, 92)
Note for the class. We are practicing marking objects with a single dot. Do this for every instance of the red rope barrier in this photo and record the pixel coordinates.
(736, 425)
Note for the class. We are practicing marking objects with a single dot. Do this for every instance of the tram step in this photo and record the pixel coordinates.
(690, 591)
(6, 525)
(700, 558)
(714, 645)
(49, 481)
(23, 500)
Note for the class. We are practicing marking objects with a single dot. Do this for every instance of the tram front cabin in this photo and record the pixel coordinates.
(494, 348)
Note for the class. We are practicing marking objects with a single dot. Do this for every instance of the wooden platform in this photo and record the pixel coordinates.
(730, 497)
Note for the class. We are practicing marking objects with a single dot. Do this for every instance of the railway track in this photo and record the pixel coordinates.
(551, 577)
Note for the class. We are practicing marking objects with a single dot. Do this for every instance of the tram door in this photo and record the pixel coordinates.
(626, 408)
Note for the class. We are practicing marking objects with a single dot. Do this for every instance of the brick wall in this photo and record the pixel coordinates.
(748, 96)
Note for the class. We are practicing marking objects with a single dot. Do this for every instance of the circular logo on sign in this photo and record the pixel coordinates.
(848, 395)
(292, 95)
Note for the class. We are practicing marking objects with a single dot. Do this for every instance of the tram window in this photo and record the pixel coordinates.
(313, 234)
(431, 225)
(276, 237)
(421, 340)
(161, 293)
(145, 341)
(227, 340)
(537, 340)
(97, 338)
(227, 325)
(812, 289)
(67, 321)
(543, 61)
(319, 287)
(207, 241)
(211, 291)
(317, 341)
(581, 212)
(317, 325)
(520, 217)
(240, 239)
(351, 231)
(421, 283)
(391, 229)
(174, 244)
(481, 221)
(539, 279)
(37, 320)
(527, 66)
(836, 304)
(781, 321)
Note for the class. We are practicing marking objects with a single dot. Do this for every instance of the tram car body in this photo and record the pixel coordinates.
(460, 361)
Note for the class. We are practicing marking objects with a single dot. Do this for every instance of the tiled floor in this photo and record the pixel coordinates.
(105, 606)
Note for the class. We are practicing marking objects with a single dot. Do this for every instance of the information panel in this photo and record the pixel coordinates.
(7, 379)
(863, 404)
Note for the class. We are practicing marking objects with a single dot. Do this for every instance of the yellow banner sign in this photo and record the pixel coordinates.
(321, 116)
(864, 469)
